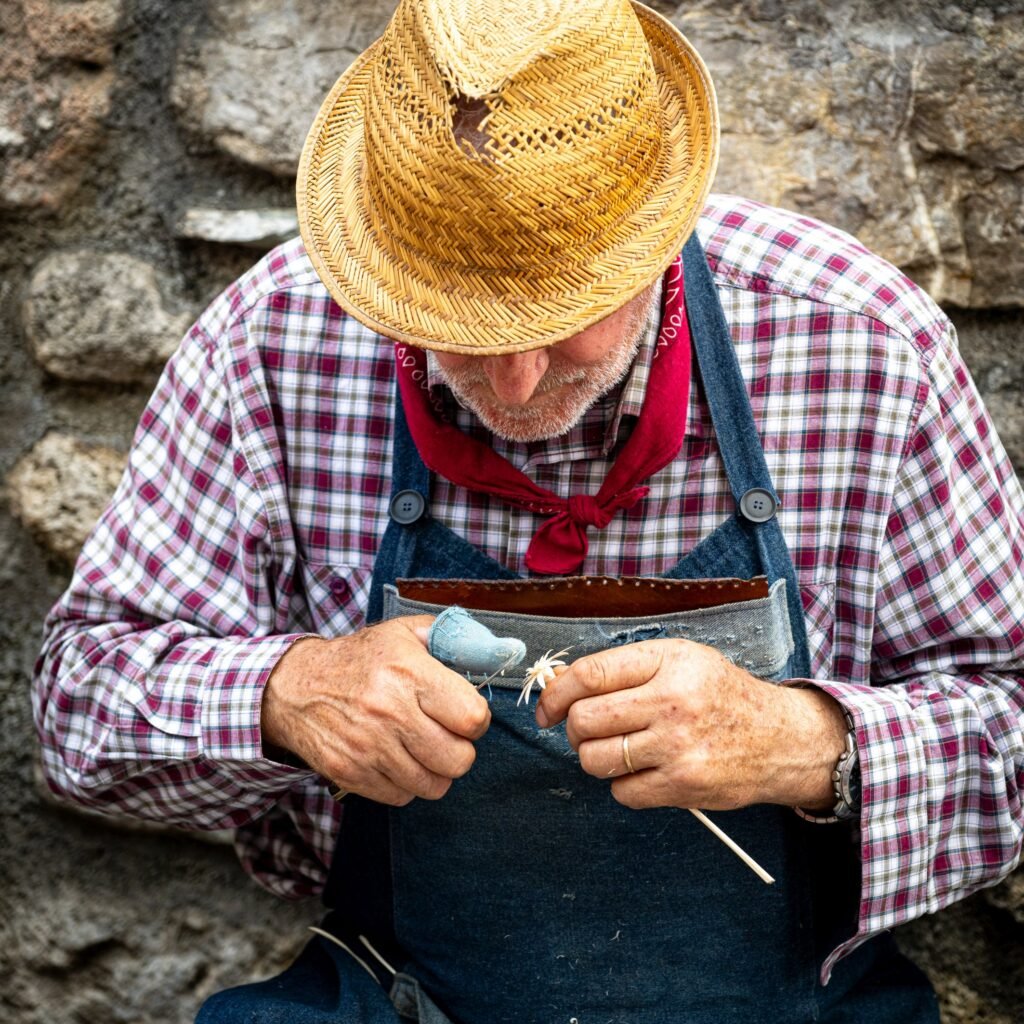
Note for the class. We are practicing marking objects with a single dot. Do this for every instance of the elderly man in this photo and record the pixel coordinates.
(785, 573)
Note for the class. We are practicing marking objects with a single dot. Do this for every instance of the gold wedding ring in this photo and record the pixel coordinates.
(625, 755)
(338, 794)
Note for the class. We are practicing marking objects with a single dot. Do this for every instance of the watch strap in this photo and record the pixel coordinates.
(846, 783)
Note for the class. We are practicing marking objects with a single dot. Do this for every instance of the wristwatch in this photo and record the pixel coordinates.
(845, 783)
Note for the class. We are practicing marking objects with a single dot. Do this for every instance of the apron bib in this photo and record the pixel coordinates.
(527, 895)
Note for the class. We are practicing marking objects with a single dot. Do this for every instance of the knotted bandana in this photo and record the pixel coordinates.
(559, 545)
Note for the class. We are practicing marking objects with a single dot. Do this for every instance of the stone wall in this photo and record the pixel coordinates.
(146, 152)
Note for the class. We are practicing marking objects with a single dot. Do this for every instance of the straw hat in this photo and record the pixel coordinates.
(493, 176)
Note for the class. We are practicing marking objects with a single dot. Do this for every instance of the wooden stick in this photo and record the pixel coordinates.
(739, 851)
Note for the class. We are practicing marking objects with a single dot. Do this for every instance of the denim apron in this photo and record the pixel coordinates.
(527, 895)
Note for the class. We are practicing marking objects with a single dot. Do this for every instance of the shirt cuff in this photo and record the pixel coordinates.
(232, 696)
(893, 824)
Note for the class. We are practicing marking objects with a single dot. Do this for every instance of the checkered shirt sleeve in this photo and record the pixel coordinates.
(159, 651)
(940, 729)
(256, 497)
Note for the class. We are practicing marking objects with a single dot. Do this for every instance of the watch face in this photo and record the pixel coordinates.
(851, 787)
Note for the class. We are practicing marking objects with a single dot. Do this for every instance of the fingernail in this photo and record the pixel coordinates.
(542, 717)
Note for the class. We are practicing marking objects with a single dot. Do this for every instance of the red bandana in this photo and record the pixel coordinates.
(559, 546)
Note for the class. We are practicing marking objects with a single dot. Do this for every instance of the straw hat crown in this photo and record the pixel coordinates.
(478, 60)
(494, 175)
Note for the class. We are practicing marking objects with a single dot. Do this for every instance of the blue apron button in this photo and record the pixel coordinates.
(406, 507)
(758, 505)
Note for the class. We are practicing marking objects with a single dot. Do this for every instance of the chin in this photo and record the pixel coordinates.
(525, 424)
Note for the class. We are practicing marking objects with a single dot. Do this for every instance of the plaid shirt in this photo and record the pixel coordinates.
(256, 495)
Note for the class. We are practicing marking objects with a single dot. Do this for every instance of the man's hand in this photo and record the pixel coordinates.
(375, 713)
(702, 732)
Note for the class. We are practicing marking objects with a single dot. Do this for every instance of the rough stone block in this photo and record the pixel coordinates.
(902, 125)
(60, 488)
(56, 94)
(94, 316)
(255, 229)
(254, 79)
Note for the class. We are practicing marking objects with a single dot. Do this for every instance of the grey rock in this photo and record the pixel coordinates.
(103, 947)
(991, 347)
(961, 1004)
(82, 31)
(93, 316)
(56, 93)
(1009, 896)
(80, 935)
(906, 130)
(253, 80)
(255, 229)
(59, 489)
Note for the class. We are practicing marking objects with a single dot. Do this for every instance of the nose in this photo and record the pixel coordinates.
(514, 378)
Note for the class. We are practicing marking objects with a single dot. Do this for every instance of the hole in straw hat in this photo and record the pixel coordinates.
(468, 114)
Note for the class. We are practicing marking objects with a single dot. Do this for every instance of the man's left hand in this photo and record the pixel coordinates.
(701, 731)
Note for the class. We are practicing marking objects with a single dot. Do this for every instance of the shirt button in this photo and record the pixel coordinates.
(407, 506)
(339, 587)
(758, 505)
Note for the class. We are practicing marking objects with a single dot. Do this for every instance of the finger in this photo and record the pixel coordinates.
(610, 714)
(438, 750)
(353, 775)
(453, 702)
(381, 789)
(606, 758)
(382, 755)
(406, 772)
(643, 790)
(419, 625)
(618, 668)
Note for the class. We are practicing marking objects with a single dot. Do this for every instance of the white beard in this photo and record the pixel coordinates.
(548, 414)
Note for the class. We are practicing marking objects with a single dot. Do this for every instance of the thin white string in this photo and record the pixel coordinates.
(334, 938)
(366, 942)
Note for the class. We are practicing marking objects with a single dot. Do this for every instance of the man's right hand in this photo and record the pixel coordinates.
(374, 712)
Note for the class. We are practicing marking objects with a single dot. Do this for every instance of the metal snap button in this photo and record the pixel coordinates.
(406, 507)
(758, 505)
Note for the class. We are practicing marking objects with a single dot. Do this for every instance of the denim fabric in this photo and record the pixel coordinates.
(462, 640)
(754, 634)
(324, 986)
(528, 895)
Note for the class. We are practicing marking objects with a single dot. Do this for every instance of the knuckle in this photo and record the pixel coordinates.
(436, 788)
(627, 795)
(386, 792)
(689, 774)
(589, 758)
(335, 768)
(464, 760)
(378, 702)
(577, 719)
(426, 784)
(477, 717)
(593, 675)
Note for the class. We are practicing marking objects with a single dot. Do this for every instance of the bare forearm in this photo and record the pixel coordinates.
(817, 729)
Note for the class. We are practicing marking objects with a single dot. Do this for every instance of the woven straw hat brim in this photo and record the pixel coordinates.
(399, 293)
